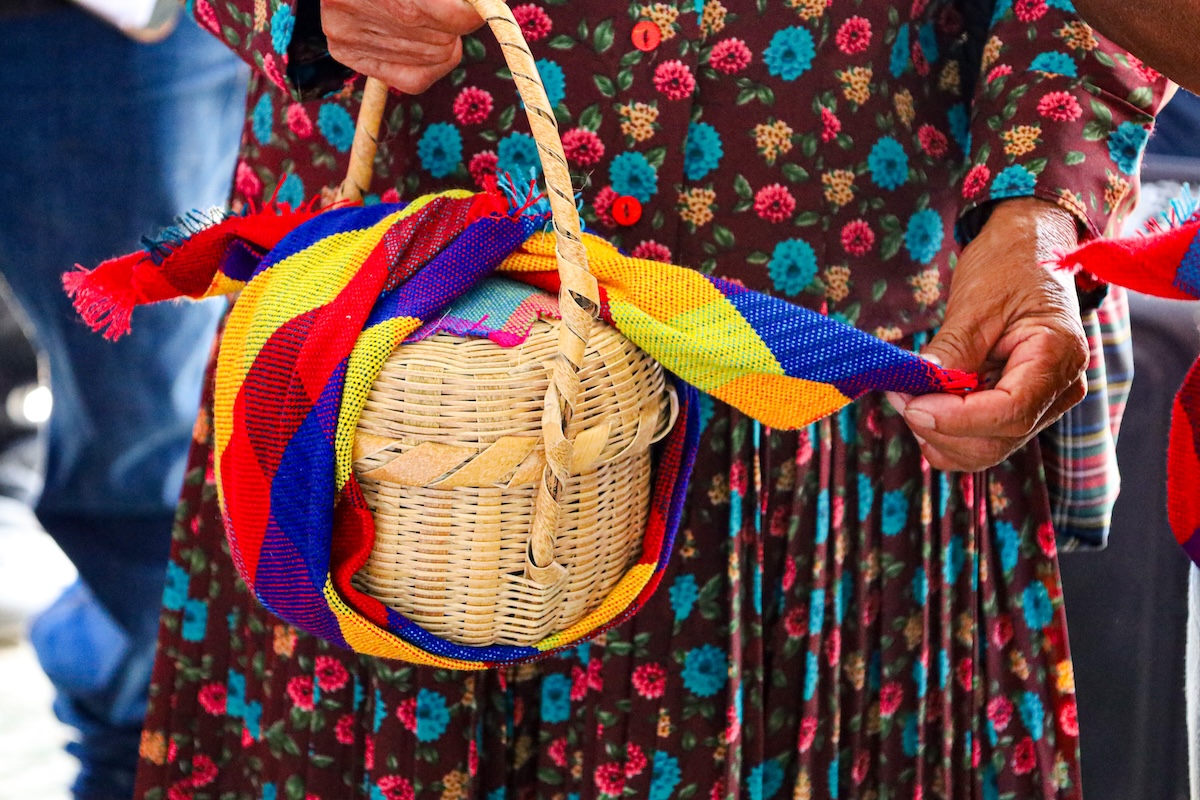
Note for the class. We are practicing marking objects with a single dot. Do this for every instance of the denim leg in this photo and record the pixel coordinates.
(106, 140)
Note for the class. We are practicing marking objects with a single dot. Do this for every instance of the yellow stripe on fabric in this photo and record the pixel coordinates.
(708, 347)
(223, 285)
(780, 402)
(367, 638)
(299, 283)
(370, 351)
(624, 593)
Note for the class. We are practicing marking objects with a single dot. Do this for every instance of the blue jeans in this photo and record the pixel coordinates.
(103, 140)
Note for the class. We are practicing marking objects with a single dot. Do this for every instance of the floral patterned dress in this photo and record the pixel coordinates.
(839, 620)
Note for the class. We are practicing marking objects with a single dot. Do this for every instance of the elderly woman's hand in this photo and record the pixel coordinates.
(1007, 317)
(407, 44)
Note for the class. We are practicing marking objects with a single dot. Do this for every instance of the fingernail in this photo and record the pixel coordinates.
(922, 419)
(896, 402)
(932, 359)
(920, 441)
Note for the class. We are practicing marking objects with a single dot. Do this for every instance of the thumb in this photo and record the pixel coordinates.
(960, 343)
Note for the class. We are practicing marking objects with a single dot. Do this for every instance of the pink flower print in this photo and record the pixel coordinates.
(729, 56)
(789, 574)
(999, 711)
(1002, 631)
(966, 673)
(808, 732)
(1024, 758)
(472, 106)
(610, 779)
(207, 17)
(998, 72)
(534, 21)
(395, 787)
(369, 751)
(739, 478)
(833, 647)
(919, 60)
(918, 8)
(651, 250)
(272, 71)
(406, 712)
(718, 790)
(331, 675)
(390, 196)
(733, 727)
(674, 79)
(1030, 10)
(518, 710)
(650, 681)
(1060, 107)
(932, 141)
(298, 121)
(862, 763)
(603, 206)
(1068, 717)
(579, 684)
(795, 623)
(300, 689)
(976, 181)
(1046, 539)
(483, 166)
(204, 771)
(246, 182)
(831, 126)
(839, 511)
(472, 758)
(854, 36)
(774, 203)
(212, 697)
(1148, 74)
(181, 790)
(635, 760)
(890, 697)
(582, 147)
(343, 731)
(857, 237)
(558, 751)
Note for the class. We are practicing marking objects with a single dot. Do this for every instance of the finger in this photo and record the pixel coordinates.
(453, 16)
(409, 79)
(897, 400)
(1033, 380)
(962, 454)
(963, 342)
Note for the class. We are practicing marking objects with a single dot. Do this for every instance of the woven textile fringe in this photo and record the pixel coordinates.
(327, 296)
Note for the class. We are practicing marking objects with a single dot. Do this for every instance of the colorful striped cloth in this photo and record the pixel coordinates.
(1164, 262)
(325, 300)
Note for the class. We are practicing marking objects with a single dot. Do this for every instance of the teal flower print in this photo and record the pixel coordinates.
(832, 777)
(498, 794)
(176, 590)
(252, 717)
(195, 620)
(705, 409)
(683, 594)
(703, 150)
(517, 155)
(1014, 181)
(959, 122)
(1054, 63)
(911, 739)
(927, 38)
(380, 711)
(664, 775)
(923, 238)
(269, 792)
(1002, 8)
(866, 496)
(1033, 715)
(1039, 611)
(793, 266)
(282, 24)
(991, 787)
(631, 174)
(262, 119)
(235, 694)
(440, 149)
(432, 715)
(765, 780)
(1125, 146)
(920, 674)
(888, 164)
(1062, 5)
(816, 611)
(895, 513)
(920, 586)
(790, 53)
(705, 670)
(1006, 537)
(842, 595)
(291, 191)
(811, 675)
(556, 698)
(337, 126)
(952, 561)
(554, 80)
(822, 516)
(901, 57)
(944, 670)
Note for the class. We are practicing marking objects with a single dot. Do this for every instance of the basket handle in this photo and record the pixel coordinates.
(579, 297)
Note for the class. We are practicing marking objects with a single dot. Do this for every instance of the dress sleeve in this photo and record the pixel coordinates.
(280, 38)
(1059, 113)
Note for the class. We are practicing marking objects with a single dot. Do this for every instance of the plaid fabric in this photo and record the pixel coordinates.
(1165, 263)
(322, 308)
(1079, 451)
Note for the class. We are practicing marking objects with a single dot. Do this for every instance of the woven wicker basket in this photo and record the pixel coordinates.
(509, 486)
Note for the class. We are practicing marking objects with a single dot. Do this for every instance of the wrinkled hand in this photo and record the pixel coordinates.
(407, 44)
(1018, 324)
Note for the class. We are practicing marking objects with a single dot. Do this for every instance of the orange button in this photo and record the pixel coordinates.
(646, 36)
(626, 210)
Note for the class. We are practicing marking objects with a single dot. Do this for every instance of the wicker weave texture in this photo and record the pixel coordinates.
(450, 456)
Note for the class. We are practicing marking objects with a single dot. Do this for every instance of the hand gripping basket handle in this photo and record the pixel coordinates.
(579, 298)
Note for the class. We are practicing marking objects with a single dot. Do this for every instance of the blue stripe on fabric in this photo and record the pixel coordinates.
(816, 348)
(282, 586)
(328, 223)
(1187, 277)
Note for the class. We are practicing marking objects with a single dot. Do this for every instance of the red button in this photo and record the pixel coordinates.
(646, 35)
(626, 210)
